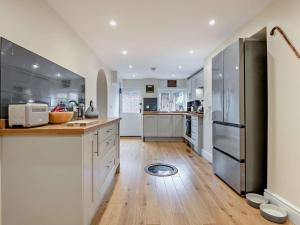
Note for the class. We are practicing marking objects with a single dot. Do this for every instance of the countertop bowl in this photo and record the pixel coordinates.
(60, 117)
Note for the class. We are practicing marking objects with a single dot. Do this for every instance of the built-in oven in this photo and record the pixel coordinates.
(188, 130)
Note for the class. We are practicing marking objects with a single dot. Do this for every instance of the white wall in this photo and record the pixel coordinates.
(158, 84)
(33, 25)
(284, 106)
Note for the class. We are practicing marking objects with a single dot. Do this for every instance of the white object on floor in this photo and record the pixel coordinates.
(273, 213)
(255, 200)
(292, 210)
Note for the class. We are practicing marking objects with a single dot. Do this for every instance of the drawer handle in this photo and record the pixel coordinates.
(97, 152)
(108, 166)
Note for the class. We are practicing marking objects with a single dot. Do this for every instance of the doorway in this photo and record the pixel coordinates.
(102, 94)
(131, 112)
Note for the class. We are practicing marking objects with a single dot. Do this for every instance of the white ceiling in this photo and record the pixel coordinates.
(156, 33)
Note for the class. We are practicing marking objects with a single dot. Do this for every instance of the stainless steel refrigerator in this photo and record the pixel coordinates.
(239, 111)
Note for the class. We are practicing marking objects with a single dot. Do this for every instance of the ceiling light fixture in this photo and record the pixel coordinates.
(124, 52)
(173, 75)
(212, 22)
(133, 75)
(113, 23)
(180, 67)
(58, 75)
(130, 66)
(191, 51)
(35, 66)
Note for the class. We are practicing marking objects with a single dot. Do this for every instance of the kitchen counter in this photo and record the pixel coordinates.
(173, 113)
(58, 165)
(59, 128)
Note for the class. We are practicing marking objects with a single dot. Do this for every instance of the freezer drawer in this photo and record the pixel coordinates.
(229, 170)
(229, 139)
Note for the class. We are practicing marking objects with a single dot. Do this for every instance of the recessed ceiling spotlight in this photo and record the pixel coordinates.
(133, 75)
(58, 75)
(191, 51)
(212, 22)
(35, 66)
(130, 66)
(180, 67)
(124, 52)
(173, 75)
(113, 23)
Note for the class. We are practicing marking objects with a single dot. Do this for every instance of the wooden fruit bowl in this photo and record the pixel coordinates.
(60, 117)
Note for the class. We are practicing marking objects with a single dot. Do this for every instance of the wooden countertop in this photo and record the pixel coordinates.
(60, 129)
(174, 113)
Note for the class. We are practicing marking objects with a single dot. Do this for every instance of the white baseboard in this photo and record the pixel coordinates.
(293, 211)
(207, 155)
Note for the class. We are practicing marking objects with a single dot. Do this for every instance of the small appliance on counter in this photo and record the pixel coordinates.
(27, 115)
(91, 112)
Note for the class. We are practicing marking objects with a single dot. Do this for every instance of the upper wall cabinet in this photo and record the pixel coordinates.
(193, 83)
(189, 89)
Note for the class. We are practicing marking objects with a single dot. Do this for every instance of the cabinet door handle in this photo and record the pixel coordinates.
(97, 143)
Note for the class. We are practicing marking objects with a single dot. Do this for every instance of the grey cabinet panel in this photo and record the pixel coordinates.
(230, 140)
(165, 126)
(150, 126)
(234, 83)
(177, 126)
(217, 87)
(230, 170)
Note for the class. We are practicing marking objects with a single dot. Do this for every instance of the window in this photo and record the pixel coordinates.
(171, 100)
(131, 100)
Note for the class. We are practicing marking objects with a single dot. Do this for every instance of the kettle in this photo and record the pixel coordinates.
(91, 112)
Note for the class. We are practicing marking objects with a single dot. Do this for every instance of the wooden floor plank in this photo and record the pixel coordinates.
(194, 196)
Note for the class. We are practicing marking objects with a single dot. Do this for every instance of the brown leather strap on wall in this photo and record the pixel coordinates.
(272, 33)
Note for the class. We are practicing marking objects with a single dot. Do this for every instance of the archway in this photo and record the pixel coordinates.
(102, 94)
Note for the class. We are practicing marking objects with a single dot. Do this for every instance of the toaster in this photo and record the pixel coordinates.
(27, 115)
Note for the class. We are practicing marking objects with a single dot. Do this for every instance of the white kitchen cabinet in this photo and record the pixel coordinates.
(197, 133)
(194, 86)
(189, 90)
(160, 126)
(68, 173)
(201, 79)
(150, 126)
(193, 83)
(165, 126)
(177, 126)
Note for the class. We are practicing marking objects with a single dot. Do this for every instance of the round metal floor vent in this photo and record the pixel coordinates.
(161, 170)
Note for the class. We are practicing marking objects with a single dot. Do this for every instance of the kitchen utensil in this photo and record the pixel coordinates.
(91, 112)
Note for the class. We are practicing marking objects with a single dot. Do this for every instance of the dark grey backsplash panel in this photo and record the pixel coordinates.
(28, 77)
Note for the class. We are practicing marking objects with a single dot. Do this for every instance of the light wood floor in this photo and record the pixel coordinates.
(192, 197)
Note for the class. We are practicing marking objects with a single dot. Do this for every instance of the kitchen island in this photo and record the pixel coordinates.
(172, 126)
(57, 174)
